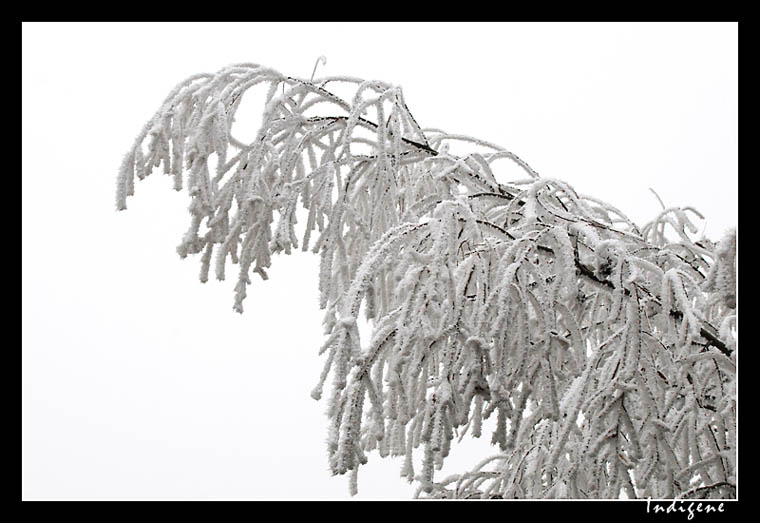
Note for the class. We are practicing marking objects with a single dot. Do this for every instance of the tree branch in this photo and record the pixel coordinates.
(420, 146)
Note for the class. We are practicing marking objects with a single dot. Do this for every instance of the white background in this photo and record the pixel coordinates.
(141, 383)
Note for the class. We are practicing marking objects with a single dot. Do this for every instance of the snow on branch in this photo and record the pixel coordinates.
(603, 355)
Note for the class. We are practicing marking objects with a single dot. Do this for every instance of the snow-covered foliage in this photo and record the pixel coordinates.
(602, 354)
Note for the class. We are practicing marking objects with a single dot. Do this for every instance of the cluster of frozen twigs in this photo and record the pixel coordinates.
(604, 352)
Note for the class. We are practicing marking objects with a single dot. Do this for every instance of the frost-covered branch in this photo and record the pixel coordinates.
(601, 355)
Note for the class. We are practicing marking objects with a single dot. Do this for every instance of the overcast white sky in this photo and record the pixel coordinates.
(138, 382)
